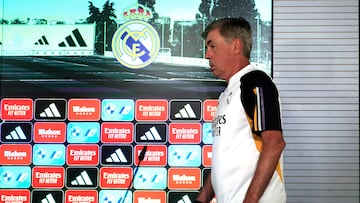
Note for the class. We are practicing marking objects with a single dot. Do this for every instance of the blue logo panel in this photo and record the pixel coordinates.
(49, 154)
(109, 196)
(184, 155)
(150, 178)
(15, 177)
(207, 137)
(117, 110)
(83, 132)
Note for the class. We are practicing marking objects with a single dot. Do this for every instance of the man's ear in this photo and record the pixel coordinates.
(237, 46)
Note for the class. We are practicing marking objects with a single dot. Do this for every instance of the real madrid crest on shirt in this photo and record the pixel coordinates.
(136, 43)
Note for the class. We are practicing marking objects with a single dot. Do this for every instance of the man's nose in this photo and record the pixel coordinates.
(207, 54)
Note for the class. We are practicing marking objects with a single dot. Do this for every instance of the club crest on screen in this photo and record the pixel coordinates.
(136, 43)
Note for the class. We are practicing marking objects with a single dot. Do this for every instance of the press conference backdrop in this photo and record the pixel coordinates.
(106, 101)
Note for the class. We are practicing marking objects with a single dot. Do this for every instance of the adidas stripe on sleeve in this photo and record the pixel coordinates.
(260, 98)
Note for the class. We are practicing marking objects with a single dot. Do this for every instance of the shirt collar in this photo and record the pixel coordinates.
(236, 77)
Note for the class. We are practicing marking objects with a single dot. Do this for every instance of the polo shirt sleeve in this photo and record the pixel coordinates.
(260, 99)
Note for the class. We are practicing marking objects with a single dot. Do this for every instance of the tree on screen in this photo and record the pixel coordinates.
(210, 10)
(109, 18)
(151, 5)
(105, 20)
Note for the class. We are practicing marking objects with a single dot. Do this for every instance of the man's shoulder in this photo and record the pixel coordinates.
(256, 78)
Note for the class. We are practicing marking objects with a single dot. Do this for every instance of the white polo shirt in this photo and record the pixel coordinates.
(248, 106)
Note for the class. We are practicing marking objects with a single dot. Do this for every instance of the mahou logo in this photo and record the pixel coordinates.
(15, 154)
(84, 109)
(49, 132)
(143, 196)
(184, 178)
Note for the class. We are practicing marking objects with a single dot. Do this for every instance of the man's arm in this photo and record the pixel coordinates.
(272, 148)
(207, 192)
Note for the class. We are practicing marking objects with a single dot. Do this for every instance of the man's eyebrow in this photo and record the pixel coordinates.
(209, 42)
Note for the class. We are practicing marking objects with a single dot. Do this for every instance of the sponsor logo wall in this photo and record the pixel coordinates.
(112, 150)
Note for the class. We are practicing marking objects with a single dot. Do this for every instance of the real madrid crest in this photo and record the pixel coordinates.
(136, 43)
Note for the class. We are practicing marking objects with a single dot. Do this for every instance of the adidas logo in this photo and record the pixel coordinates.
(42, 41)
(115, 155)
(185, 199)
(118, 157)
(50, 112)
(82, 179)
(50, 109)
(46, 196)
(16, 134)
(152, 134)
(70, 40)
(48, 199)
(186, 112)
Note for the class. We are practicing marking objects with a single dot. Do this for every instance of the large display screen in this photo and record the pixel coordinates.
(111, 101)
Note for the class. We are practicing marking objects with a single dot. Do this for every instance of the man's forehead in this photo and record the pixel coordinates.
(212, 36)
